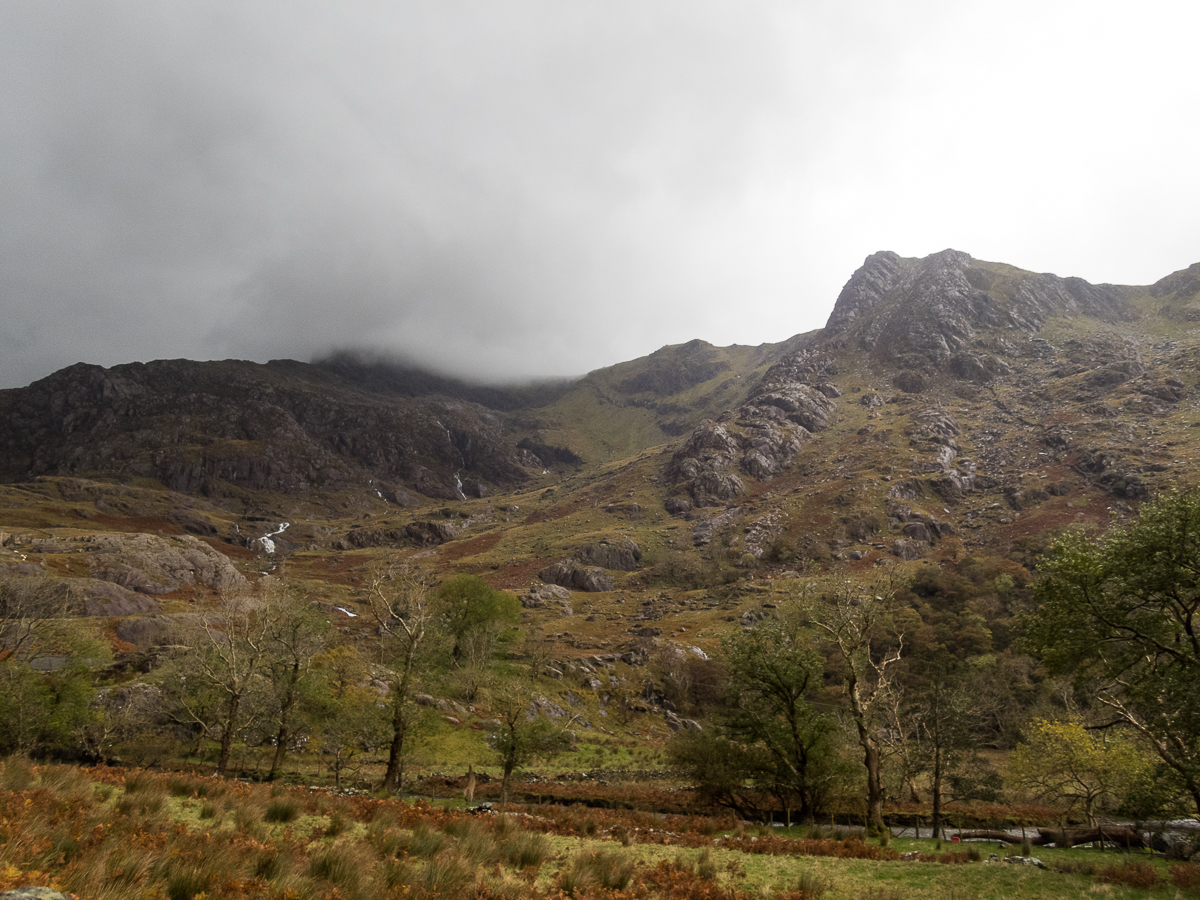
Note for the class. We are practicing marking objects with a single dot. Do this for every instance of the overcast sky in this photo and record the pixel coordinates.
(515, 188)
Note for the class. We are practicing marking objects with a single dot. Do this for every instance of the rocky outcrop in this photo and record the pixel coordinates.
(142, 564)
(764, 434)
(570, 574)
(704, 462)
(623, 556)
(150, 564)
(430, 533)
(675, 369)
(103, 598)
(1184, 284)
(919, 313)
(544, 594)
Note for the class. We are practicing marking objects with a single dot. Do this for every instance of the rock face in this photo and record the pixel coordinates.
(926, 312)
(212, 428)
(125, 565)
(762, 436)
(570, 574)
(623, 556)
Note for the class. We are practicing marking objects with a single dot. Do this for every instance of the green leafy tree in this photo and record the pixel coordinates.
(726, 772)
(477, 617)
(523, 733)
(349, 716)
(1066, 762)
(1122, 618)
(773, 674)
(46, 656)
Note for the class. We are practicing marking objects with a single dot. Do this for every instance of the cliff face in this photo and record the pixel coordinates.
(915, 312)
(207, 428)
(935, 332)
(927, 334)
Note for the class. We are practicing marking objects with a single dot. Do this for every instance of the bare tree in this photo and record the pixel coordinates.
(296, 633)
(401, 607)
(224, 669)
(860, 625)
(32, 611)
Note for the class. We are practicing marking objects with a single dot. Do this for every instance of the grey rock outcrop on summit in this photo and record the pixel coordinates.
(917, 312)
(915, 321)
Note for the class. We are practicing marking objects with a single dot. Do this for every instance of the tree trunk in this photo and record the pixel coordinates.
(395, 766)
(509, 764)
(285, 724)
(937, 792)
(874, 765)
(227, 734)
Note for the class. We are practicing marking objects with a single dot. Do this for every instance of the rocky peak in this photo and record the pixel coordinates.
(865, 290)
(922, 312)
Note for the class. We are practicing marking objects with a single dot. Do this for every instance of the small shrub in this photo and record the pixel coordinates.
(596, 868)
(123, 866)
(137, 781)
(526, 848)
(1131, 874)
(270, 865)
(396, 875)
(973, 854)
(475, 841)
(282, 810)
(16, 774)
(179, 787)
(144, 803)
(337, 824)
(66, 781)
(247, 814)
(1074, 867)
(809, 886)
(446, 876)
(1026, 847)
(384, 838)
(208, 811)
(705, 867)
(1186, 876)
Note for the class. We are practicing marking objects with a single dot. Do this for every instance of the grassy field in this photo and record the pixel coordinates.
(116, 833)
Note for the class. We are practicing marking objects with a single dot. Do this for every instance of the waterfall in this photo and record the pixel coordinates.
(462, 459)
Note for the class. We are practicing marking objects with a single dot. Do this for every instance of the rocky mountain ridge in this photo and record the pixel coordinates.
(952, 408)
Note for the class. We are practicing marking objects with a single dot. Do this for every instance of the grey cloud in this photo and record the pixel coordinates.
(532, 188)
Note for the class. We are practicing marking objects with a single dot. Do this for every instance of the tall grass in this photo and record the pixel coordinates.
(57, 829)
(596, 868)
